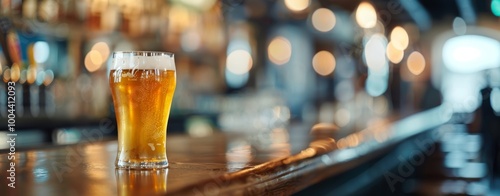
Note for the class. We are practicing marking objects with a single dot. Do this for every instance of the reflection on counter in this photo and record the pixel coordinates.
(141, 182)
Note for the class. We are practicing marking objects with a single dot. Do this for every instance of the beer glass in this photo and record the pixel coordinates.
(142, 86)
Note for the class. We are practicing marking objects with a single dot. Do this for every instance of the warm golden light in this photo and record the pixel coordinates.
(366, 16)
(93, 61)
(6, 75)
(48, 11)
(416, 63)
(279, 50)
(95, 57)
(103, 49)
(183, 18)
(297, 5)
(239, 62)
(15, 72)
(31, 75)
(399, 38)
(393, 54)
(323, 19)
(323, 63)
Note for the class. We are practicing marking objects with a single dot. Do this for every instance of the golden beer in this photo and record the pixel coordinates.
(142, 100)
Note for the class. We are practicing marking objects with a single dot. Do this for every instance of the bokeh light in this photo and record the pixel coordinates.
(495, 7)
(323, 63)
(15, 72)
(183, 18)
(40, 77)
(323, 19)
(41, 51)
(380, 105)
(379, 28)
(378, 67)
(393, 54)
(342, 117)
(22, 78)
(279, 50)
(235, 80)
(376, 85)
(6, 75)
(49, 77)
(399, 38)
(190, 41)
(93, 61)
(297, 5)
(471, 53)
(199, 127)
(239, 62)
(31, 75)
(366, 16)
(459, 26)
(416, 63)
(103, 49)
(374, 53)
(97, 56)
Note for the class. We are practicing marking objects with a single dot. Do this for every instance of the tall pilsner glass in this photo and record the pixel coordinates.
(142, 85)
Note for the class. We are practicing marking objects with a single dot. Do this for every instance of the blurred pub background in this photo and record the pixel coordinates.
(247, 66)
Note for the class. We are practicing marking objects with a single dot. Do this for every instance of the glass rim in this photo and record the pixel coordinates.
(142, 53)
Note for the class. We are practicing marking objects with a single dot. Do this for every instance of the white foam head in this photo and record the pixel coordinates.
(143, 60)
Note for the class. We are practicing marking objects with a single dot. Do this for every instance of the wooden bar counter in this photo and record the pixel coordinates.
(277, 162)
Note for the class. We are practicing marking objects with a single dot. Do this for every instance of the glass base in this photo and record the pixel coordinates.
(141, 165)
